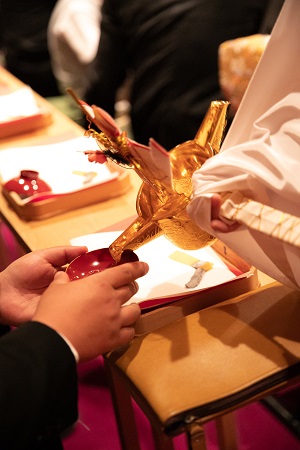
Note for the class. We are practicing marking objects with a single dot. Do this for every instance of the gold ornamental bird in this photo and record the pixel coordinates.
(166, 177)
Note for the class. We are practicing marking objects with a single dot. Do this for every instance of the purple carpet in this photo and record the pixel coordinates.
(96, 429)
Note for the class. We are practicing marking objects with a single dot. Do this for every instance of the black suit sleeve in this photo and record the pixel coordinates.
(38, 386)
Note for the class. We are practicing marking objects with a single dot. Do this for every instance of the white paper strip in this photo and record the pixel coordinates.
(259, 217)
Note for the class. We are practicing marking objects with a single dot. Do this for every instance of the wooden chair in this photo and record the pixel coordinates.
(285, 405)
(206, 365)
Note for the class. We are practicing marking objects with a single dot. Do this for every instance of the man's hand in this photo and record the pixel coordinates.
(216, 222)
(24, 281)
(89, 311)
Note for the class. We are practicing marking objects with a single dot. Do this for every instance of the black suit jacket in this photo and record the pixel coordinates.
(23, 37)
(170, 49)
(38, 387)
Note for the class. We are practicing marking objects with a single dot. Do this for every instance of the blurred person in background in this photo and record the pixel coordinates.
(73, 39)
(168, 49)
(24, 43)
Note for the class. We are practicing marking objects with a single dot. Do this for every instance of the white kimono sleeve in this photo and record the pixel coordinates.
(261, 155)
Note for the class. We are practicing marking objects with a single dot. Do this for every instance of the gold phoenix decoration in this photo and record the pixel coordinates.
(166, 177)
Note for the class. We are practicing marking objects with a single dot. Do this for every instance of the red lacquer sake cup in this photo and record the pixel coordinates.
(96, 261)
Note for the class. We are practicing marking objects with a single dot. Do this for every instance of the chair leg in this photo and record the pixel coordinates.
(227, 438)
(161, 441)
(195, 437)
(123, 411)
